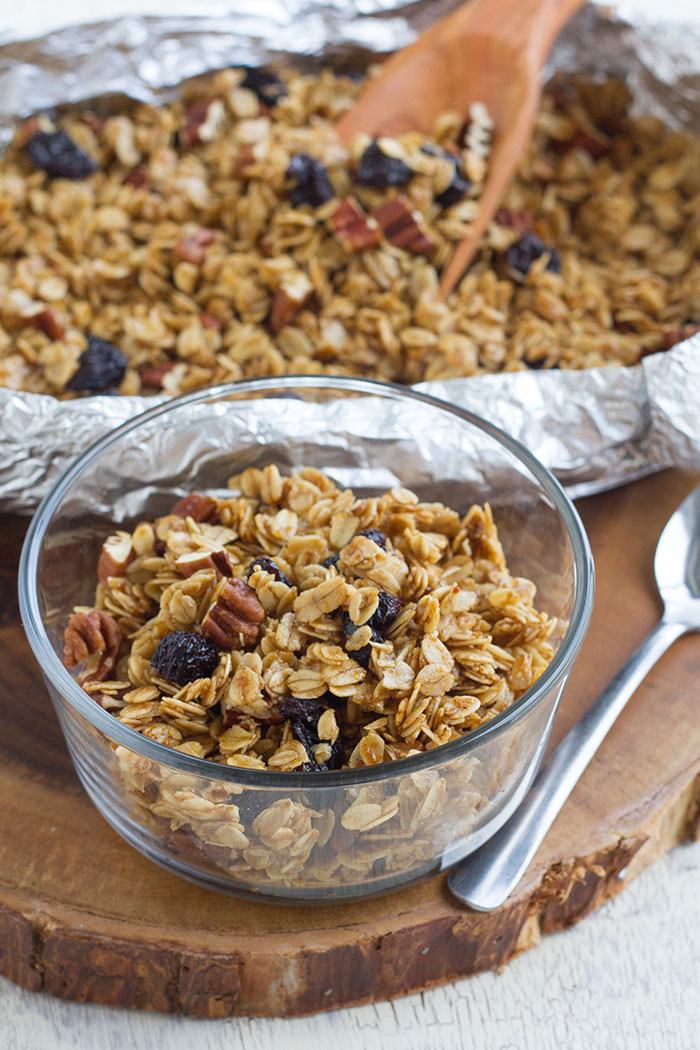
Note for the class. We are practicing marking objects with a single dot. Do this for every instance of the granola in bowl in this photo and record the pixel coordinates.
(229, 235)
(296, 627)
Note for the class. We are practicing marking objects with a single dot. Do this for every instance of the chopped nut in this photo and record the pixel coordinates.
(192, 249)
(114, 557)
(402, 227)
(92, 633)
(234, 616)
(153, 375)
(48, 322)
(190, 563)
(353, 227)
(293, 292)
(201, 508)
(203, 120)
(517, 219)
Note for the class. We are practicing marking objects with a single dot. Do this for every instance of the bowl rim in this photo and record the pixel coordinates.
(554, 675)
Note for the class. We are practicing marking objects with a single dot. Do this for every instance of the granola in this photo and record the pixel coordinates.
(347, 632)
(296, 626)
(230, 235)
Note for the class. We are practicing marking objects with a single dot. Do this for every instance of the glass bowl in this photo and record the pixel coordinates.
(305, 837)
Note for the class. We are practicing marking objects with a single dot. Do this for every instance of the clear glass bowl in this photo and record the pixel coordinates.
(288, 836)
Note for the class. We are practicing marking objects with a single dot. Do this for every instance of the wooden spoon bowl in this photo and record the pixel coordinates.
(489, 51)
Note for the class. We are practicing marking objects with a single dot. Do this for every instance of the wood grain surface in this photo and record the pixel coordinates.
(85, 917)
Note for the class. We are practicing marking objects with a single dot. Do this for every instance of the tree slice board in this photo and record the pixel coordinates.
(84, 916)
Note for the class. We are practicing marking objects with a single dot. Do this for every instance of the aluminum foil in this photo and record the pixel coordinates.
(595, 429)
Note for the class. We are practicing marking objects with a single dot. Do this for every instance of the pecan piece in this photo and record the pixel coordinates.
(517, 219)
(671, 336)
(201, 508)
(353, 227)
(92, 633)
(49, 322)
(195, 561)
(402, 227)
(153, 375)
(293, 292)
(203, 119)
(115, 555)
(234, 616)
(193, 248)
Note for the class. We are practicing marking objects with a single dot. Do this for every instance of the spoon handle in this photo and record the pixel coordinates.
(486, 878)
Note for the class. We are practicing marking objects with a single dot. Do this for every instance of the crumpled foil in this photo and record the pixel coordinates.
(595, 429)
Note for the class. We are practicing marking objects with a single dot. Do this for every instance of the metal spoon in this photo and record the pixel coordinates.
(486, 878)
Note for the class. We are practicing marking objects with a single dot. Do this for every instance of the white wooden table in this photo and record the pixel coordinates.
(627, 978)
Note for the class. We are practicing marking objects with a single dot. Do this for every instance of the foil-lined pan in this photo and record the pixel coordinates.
(595, 429)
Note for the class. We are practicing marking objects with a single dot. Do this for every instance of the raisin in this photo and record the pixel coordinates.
(459, 184)
(332, 559)
(266, 85)
(303, 717)
(388, 608)
(378, 169)
(100, 366)
(268, 565)
(376, 535)
(55, 153)
(312, 182)
(455, 190)
(183, 656)
(521, 255)
(360, 656)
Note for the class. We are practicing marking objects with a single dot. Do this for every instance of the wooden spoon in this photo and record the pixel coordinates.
(489, 51)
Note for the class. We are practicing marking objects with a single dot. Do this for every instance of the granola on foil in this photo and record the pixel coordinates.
(575, 195)
(296, 627)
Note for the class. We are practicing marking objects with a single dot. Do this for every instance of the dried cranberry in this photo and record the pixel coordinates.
(266, 85)
(378, 169)
(101, 366)
(312, 182)
(183, 656)
(55, 153)
(376, 535)
(521, 255)
(331, 560)
(268, 565)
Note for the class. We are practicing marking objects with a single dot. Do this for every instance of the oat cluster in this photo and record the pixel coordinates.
(295, 626)
(230, 235)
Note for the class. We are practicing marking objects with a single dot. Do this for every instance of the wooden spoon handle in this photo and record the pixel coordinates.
(531, 25)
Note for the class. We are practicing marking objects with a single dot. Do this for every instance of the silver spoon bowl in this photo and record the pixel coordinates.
(486, 878)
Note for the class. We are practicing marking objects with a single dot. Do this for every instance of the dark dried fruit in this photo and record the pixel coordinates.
(303, 717)
(331, 560)
(378, 169)
(183, 657)
(376, 535)
(312, 183)
(361, 656)
(458, 185)
(388, 608)
(55, 153)
(101, 366)
(521, 255)
(266, 85)
(268, 565)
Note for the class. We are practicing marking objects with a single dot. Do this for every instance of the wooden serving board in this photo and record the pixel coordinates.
(84, 916)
